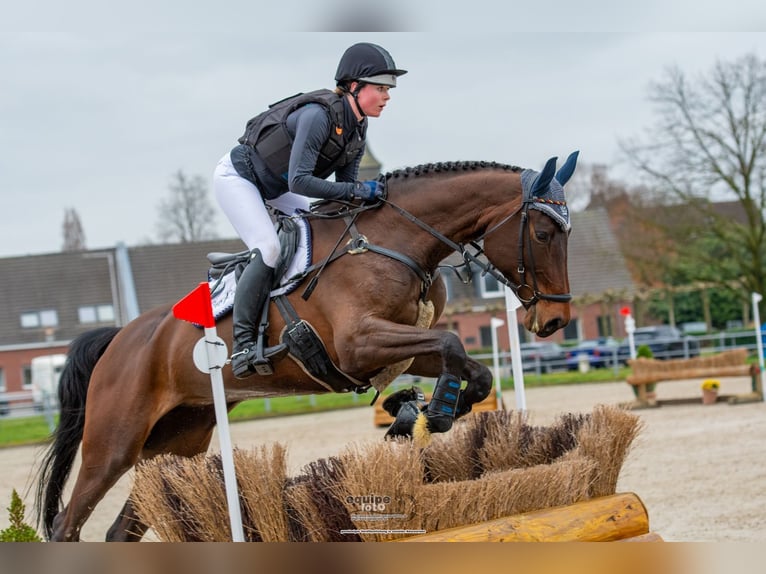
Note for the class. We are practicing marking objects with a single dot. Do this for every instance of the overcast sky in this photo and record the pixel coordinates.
(100, 105)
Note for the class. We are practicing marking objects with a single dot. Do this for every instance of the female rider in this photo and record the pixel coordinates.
(283, 160)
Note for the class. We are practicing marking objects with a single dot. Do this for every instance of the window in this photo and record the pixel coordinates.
(42, 318)
(490, 287)
(95, 314)
(2, 380)
(604, 323)
(485, 334)
(571, 330)
(26, 377)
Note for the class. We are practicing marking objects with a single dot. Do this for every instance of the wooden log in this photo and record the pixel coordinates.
(646, 370)
(602, 519)
(659, 375)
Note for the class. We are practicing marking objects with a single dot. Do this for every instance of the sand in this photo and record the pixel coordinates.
(700, 470)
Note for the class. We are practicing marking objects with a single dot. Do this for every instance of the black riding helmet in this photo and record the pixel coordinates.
(367, 63)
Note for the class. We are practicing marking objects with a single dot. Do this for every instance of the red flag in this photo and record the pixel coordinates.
(196, 307)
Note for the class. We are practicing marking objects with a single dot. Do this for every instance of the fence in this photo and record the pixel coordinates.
(29, 403)
(690, 346)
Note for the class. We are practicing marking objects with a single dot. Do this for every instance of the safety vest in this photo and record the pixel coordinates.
(267, 133)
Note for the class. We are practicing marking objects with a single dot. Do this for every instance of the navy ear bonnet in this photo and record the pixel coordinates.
(545, 192)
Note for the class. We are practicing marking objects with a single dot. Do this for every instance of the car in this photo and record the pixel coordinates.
(601, 353)
(665, 342)
(542, 356)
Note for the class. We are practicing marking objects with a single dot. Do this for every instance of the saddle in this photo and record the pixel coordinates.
(304, 345)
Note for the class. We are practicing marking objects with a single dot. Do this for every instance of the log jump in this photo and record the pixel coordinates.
(731, 363)
(619, 517)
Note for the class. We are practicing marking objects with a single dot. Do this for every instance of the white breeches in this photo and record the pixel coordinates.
(242, 203)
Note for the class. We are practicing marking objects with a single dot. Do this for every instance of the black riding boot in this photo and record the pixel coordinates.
(252, 294)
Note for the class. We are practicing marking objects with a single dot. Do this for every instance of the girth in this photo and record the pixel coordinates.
(307, 348)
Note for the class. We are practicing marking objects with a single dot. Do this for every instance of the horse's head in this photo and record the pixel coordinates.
(537, 268)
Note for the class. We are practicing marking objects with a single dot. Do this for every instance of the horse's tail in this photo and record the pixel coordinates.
(84, 353)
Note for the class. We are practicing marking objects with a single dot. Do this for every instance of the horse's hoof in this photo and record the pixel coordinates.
(394, 402)
(439, 422)
(405, 420)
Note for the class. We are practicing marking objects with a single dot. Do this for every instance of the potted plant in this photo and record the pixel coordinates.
(710, 391)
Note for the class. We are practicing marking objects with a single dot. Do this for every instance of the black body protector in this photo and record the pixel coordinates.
(268, 134)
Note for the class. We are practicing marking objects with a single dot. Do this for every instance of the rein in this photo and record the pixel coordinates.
(488, 268)
(526, 293)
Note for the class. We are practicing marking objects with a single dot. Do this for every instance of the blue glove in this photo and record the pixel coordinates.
(369, 190)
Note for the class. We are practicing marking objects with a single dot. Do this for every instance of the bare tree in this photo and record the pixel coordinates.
(709, 143)
(74, 236)
(187, 214)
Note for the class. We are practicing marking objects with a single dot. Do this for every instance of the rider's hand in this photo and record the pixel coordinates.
(370, 190)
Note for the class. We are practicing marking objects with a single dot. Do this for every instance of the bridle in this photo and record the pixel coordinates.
(526, 293)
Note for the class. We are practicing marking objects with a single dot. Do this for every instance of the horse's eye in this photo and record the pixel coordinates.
(542, 236)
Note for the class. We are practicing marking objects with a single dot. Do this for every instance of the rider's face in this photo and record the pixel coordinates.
(373, 98)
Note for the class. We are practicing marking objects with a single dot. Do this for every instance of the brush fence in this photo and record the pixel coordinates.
(491, 465)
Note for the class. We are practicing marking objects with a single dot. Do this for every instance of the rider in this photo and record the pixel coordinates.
(324, 136)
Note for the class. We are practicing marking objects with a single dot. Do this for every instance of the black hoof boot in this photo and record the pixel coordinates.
(442, 409)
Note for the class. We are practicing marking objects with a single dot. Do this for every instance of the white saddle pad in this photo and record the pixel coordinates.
(223, 297)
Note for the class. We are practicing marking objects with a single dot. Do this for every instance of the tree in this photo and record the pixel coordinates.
(74, 236)
(186, 215)
(675, 262)
(709, 143)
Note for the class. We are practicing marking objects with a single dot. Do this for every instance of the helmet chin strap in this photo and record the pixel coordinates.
(355, 95)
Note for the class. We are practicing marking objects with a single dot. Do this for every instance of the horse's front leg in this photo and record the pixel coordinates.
(376, 343)
(478, 379)
(479, 385)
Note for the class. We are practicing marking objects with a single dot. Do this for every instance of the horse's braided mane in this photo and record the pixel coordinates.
(327, 208)
(447, 166)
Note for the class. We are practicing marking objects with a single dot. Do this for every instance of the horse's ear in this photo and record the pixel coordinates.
(543, 179)
(567, 169)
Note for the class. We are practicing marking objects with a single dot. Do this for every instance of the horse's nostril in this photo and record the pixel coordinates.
(552, 326)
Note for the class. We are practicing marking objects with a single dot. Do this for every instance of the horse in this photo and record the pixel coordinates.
(128, 394)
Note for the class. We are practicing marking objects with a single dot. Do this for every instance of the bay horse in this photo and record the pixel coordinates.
(145, 396)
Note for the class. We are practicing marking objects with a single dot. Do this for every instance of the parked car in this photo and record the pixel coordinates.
(665, 342)
(601, 352)
(543, 356)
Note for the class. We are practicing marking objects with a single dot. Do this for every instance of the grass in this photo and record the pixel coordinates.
(23, 430)
(34, 429)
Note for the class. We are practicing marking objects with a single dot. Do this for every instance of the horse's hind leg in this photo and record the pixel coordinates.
(111, 444)
(185, 431)
(128, 527)
(94, 480)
